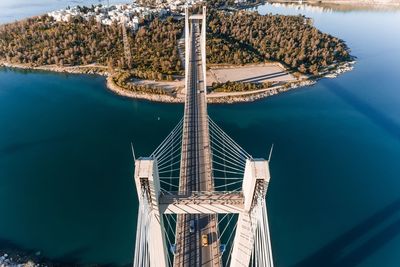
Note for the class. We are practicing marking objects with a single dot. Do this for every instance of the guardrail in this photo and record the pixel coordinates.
(202, 197)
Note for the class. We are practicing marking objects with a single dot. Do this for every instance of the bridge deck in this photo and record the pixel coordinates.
(196, 172)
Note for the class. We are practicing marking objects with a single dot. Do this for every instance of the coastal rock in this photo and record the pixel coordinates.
(180, 98)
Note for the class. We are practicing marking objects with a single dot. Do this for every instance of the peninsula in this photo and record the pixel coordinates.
(140, 50)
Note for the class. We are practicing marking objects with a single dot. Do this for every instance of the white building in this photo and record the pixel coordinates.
(120, 13)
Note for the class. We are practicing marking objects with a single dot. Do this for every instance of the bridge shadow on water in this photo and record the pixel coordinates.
(334, 253)
(373, 114)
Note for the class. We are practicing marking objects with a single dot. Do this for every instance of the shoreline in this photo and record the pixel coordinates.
(251, 96)
(376, 3)
(150, 97)
(224, 98)
(27, 258)
(84, 69)
(13, 258)
(22, 258)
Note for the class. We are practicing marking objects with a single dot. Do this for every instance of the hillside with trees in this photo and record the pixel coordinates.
(240, 37)
(43, 41)
(246, 37)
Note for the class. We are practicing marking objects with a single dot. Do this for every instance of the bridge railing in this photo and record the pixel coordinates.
(202, 197)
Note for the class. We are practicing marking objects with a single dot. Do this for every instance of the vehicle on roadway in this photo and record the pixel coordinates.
(204, 240)
(191, 226)
(172, 248)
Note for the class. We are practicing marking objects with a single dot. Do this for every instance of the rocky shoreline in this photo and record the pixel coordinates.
(333, 72)
(18, 261)
(86, 69)
(18, 258)
(150, 97)
(259, 94)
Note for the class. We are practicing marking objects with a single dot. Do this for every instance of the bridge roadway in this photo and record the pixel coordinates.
(196, 172)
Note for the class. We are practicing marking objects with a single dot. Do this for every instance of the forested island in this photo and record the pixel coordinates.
(233, 38)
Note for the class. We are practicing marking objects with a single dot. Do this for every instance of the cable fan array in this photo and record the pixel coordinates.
(262, 251)
(228, 166)
(168, 156)
(228, 160)
(142, 254)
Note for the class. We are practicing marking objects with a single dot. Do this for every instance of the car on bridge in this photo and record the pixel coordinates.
(204, 240)
(191, 226)
(172, 249)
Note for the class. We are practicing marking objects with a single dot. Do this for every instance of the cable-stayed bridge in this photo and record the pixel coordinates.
(201, 196)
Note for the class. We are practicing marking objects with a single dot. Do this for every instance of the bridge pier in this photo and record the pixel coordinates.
(255, 185)
(148, 189)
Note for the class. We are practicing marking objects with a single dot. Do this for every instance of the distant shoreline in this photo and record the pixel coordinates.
(342, 2)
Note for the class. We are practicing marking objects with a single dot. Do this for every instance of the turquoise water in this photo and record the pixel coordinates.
(66, 184)
(335, 194)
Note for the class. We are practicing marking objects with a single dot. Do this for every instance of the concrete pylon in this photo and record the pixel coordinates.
(255, 185)
(148, 188)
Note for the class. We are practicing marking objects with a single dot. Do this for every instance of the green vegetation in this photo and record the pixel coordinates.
(233, 38)
(42, 41)
(238, 86)
(243, 37)
(222, 50)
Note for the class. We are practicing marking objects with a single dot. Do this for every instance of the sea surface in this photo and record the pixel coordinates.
(66, 186)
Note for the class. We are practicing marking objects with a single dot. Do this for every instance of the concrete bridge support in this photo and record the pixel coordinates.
(148, 189)
(255, 185)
